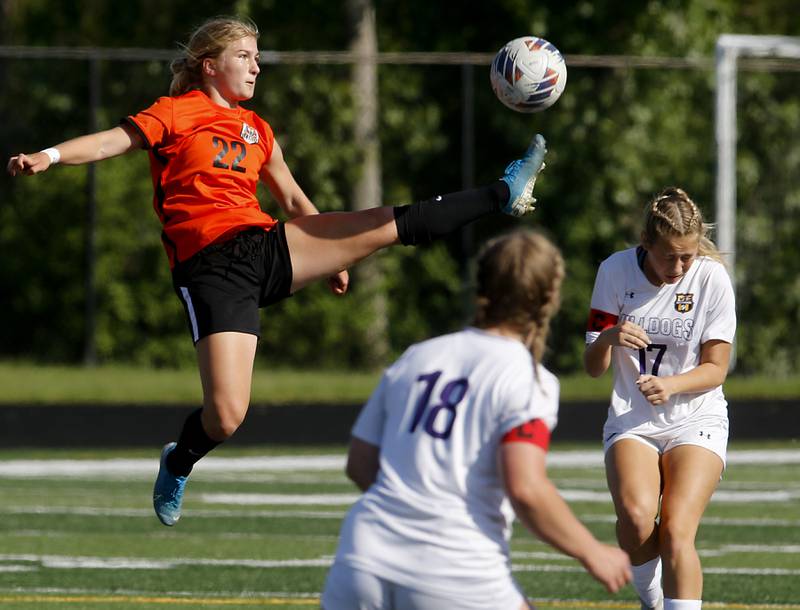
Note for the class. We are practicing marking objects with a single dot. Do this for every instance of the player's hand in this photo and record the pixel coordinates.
(339, 283)
(625, 334)
(656, 390)
(610, 566)
(28, 164)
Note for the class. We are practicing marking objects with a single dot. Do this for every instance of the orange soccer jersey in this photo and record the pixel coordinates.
(205, 162)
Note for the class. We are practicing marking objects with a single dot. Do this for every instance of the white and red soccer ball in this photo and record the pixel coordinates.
(528, 74)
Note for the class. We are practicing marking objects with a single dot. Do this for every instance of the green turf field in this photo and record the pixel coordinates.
(260, 527)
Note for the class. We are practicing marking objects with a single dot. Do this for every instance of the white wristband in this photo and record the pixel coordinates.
(54, 155)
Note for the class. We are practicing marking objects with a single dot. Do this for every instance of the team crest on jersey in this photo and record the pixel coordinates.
(249, 134)
(684, 301)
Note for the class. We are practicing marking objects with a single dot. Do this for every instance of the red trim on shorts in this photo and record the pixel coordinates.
(534, 432)
(600, 320)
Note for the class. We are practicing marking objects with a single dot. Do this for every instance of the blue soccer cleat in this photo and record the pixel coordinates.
(520, 176)
(168, 491)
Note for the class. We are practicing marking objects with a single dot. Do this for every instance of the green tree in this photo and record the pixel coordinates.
(616, 137)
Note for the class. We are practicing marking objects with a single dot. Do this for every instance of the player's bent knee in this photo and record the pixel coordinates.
(637, 516)
(227, 428)
(635, 524)
(224, 420)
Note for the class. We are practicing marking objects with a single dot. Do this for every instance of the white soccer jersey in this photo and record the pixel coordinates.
(678, 318)
(437, 518)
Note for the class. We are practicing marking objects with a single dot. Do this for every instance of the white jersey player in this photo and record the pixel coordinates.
(663, 316)
(450, 444)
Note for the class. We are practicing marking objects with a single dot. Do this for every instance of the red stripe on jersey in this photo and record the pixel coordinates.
(534, 432)
(600, 320)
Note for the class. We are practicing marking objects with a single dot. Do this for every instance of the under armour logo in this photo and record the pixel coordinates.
(438, 198)
(706, 435)
(629, 294)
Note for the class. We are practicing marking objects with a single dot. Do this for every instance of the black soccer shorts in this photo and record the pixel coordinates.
(223, 286)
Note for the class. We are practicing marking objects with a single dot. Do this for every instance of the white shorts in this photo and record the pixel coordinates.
(347, 588)
(710, 431)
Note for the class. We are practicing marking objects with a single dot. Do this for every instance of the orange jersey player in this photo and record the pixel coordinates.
(229, 258)
(205, 161)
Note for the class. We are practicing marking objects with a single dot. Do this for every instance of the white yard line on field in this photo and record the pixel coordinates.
(132, 563)
(571, 495)
(148, 467)
(739, 549)
(120, 468)
(142, 592)
(104, 512)
(69, 562)
(252, 499)
(718, 521)
(205, 513)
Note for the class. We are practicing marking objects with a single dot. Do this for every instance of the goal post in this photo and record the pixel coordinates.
(728, 50)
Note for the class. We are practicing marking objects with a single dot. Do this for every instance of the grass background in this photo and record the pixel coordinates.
(25, 383)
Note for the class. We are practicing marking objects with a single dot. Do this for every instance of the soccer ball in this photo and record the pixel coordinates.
(528, 74)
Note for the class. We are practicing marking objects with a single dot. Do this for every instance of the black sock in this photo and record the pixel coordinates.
(424, 221)
(193, 444)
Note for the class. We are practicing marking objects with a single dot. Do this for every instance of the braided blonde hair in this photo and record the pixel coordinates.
(518, 286)
(672, 213)
(208, 40)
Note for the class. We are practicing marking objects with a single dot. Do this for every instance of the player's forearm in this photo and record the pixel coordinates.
(549, 517)
(299, 205)
(283, 187)
(597, 358)
(702, 378)
(94, 147)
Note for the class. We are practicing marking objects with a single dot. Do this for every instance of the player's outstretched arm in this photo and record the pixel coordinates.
(83, 149)
(542, 510)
